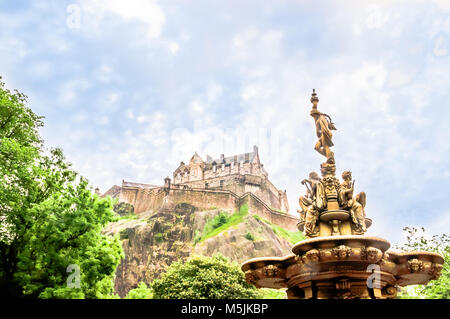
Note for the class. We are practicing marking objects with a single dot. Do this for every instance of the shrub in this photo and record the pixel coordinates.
(250, 236)
(203, 278)
(141, 292)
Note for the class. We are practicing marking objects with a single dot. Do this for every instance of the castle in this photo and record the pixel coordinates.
(225, 183)
(239, 174)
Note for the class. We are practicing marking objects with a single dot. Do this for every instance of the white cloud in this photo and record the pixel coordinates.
(214, 92)
(142, 119)
(112, 97)
(19, 47)
(130, 114)
(80, 117)
(399, 78)
(381, 72)
(258, 91)
(69, 90)
(443, 4)
(441, 46)
(103, 120)
(376, 18)
(252, 41)
(173, 47)
(197, 106)
(144, 11)
(41, 69)
(103, 73)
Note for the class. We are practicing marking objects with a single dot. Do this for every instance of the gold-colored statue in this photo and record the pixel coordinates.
(311, 204)
(354, 205)
(324, 126)
(329, 205)
(336, 260)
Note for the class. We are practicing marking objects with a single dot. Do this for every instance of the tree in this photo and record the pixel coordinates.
(203, 278)
(417, 240)
(141, 292)
(49, 218)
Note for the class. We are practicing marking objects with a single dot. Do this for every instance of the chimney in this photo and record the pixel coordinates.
(167, 182)
(255, 149)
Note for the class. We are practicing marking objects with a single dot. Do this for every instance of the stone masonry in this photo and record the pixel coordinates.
(225, 183)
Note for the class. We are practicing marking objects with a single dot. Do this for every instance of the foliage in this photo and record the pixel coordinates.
(267, 293)
(17, 121)
(218, 221)
(125, 210)
(49, 218)
(291, 236)
(159, 237)
(222, 222)
(123, 234)
(141, 292)
(417, 240)
(250, 236)
(203, 278)
(197, 236)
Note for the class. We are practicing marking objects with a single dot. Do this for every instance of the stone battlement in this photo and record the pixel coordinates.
(237, 173)
(157, 198)
(225, 183)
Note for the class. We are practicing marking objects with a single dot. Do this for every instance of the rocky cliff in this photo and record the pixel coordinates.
(152, 241)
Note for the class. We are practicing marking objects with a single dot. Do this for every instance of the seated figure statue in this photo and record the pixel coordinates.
(311, 204)
(354, 205)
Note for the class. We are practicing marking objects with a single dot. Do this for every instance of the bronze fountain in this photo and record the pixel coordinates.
(336, 260)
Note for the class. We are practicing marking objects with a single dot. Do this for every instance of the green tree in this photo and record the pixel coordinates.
(417, 240)
(141, 292)
(203, 278)
(49, 218)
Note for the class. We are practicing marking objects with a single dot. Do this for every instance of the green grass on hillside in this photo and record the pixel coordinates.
(291, 236)
(127, 217)
(267, 293)
(221, 222)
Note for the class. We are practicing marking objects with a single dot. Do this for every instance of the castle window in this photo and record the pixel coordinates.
(206, 185)
(221, 183)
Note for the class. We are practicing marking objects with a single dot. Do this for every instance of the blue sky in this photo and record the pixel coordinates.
(132, 88)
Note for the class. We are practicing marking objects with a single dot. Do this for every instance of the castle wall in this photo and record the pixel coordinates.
(195, 172)
(142, 199)
(241, 184)
(256, 206)
(204, 199)
(224, 199)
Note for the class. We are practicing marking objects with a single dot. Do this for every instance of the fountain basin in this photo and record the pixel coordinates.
(330, 215)
(341, 266)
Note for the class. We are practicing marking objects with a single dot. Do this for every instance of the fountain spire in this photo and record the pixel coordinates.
(336, 260)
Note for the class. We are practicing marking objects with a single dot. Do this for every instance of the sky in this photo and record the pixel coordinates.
(129, 89)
